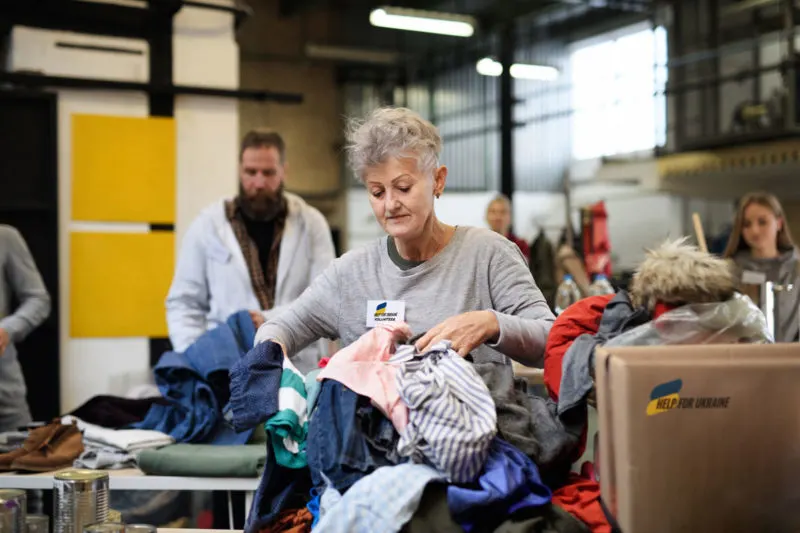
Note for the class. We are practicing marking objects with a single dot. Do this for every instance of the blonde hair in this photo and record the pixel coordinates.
(736, 243)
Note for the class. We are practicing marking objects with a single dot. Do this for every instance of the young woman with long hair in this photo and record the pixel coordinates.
(761, 242)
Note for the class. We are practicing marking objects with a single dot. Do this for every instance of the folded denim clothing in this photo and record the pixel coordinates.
(204, 460)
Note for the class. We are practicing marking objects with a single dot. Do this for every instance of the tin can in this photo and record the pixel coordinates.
(106, 527)
(80, 498)
(38, 523)
(13, 509)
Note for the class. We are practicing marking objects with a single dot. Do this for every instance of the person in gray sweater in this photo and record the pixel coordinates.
(468, 285)
(21, 279)
(762, 249)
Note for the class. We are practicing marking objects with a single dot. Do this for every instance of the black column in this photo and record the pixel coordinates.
(507, 45)
(161, 104)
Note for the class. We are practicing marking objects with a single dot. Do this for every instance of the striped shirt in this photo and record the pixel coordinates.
(288, 428)
(452, 417)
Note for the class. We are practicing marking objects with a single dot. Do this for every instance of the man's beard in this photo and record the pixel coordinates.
(263, 205)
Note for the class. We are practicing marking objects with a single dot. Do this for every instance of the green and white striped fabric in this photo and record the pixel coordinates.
(288, 428)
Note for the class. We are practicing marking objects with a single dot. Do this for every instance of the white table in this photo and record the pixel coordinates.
(135, 479)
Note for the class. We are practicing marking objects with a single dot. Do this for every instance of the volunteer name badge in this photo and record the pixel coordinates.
(751, 277)
(382, 311)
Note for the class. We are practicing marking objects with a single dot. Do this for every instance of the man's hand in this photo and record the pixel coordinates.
(466, 332)
(258, 318)
(5, 340)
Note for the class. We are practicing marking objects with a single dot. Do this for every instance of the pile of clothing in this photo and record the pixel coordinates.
(112, 449)
(678, 295)
(194, 385)
(384, 438)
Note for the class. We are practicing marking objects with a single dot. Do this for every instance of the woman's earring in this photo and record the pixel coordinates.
(438, 195)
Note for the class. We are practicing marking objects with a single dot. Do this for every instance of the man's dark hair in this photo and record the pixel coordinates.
(262, 138)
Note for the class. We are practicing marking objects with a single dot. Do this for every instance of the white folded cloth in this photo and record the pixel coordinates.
(129, 440)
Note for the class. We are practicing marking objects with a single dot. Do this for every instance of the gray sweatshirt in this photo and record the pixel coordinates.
(784, 270)
(20, 278)
(477, 270)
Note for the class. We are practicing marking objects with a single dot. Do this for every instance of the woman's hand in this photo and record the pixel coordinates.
(466, 332)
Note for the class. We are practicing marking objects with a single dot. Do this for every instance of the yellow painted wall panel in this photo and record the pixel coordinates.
(119, 282)
(123, 169)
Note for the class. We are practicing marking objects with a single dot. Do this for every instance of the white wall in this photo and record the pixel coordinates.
(205, 53)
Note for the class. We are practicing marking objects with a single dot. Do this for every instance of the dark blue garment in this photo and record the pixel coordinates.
(195, 385)
(510, 482)
(348, 438)
(255, 379)
(280, 488)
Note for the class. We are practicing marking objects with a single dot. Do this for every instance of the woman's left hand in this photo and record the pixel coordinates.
(465, 332)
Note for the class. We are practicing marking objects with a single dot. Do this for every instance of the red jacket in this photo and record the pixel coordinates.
(581, 317)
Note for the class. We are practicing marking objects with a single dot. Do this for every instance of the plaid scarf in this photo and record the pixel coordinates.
(263, 277)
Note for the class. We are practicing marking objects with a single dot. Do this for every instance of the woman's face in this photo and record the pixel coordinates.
(401, 197)
(498, 215)
(760, 227)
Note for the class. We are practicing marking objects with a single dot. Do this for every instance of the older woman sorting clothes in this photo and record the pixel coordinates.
(470, 286)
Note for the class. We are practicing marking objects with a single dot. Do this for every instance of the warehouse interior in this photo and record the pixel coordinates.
(121, 122)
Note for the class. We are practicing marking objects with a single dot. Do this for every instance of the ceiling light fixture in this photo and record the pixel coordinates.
(351, 55)
(423, 21)
(491, 67)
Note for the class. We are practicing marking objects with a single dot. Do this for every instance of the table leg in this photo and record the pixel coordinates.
(230, 511)
(248, 503)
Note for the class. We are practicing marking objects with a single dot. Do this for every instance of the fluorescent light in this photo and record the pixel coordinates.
(533, 72)
(491, 67)
(423, 21)
(354, 55)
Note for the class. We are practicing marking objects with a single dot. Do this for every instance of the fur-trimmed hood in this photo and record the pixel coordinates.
(679, 273)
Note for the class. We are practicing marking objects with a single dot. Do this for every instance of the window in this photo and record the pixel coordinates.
(618, 93)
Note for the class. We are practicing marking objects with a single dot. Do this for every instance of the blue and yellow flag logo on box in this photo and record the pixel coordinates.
(665, 397)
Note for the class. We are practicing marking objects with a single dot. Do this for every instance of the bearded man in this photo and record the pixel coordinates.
(258, 251)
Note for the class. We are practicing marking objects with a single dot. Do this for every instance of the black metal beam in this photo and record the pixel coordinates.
(507, 48)
(82, 17)
(290, 8)
(159, 40)
(28, 80)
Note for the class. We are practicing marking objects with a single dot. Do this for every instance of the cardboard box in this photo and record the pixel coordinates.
(700, 438)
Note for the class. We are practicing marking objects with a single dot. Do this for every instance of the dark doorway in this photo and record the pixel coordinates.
(29, 202)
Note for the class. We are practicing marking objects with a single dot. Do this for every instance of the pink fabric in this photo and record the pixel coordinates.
(362, 368)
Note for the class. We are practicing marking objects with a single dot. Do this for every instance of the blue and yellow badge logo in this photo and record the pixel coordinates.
(667, 397)
(380, 310)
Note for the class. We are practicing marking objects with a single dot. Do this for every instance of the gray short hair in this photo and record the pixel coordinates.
(391, 132)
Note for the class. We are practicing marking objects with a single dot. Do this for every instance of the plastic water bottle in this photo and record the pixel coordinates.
(566, 294)
(601, 286)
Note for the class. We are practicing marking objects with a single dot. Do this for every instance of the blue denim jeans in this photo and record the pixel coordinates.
(347, 438)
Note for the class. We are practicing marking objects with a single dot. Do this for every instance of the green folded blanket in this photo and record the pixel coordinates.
(204, 460)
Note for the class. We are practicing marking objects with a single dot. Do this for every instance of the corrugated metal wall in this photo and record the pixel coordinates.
(465, 106)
